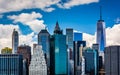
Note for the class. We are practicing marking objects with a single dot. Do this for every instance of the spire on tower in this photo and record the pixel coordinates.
(100, 12)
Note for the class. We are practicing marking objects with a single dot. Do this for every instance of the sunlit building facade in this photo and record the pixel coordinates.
(38, 64)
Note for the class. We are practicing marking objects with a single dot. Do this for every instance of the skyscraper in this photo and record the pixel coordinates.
(25, 50)
(58, 52)
(43, 40)
(91, 61)
(78, 36)
(77, 56)
(101, 35)
(11, 64)
(112, 60)
(69, 42)
(15, 41)
(38, 64)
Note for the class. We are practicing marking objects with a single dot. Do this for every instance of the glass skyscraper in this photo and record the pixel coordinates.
(11, 64)
(78, 36)
(101, 35)
(15, 41)
(58, 52)
(43, 40)
(91, 61)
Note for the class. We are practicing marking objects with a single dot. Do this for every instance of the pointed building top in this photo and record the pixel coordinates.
(100, 12)
(100, 20)
(57, 29)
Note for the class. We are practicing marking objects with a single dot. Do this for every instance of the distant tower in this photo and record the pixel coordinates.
(15, 41)
(101, 35)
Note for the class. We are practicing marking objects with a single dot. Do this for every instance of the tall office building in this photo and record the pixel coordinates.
(78, 56)
(11, 64)
(78, 36)
(69, 42)
(38, 64)
(43, 40)
(101, 34)
(69, 38)
(15, 41)
(112, 60)
(58, 52)
(26, 52)
(91, 61)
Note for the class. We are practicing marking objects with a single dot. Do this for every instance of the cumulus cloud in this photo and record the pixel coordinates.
(6, 36)
(16, 5)
(112, 36)
(71, 3)
(45, 5)
(29, 19)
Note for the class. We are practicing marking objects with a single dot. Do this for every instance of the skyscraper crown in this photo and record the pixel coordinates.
(57, 29)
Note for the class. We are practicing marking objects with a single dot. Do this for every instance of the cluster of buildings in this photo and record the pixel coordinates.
(60, 54)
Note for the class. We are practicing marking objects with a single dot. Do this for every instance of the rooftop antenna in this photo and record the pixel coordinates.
(100, 12)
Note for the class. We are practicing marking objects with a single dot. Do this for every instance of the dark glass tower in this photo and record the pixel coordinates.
(15, 41)
(101, 35)
(58, 52)
(43, 40)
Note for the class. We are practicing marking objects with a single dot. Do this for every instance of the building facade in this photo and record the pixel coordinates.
(69, 42)
(101, 34)
(38, 64)
(58, 52)
(91, 61)
(78, 56)
(25, 50)
(112, 60)
(43, 40)
(78, 36)
(15, 41)
(11, 64)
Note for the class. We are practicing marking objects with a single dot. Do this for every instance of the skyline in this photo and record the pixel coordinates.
(29, 20)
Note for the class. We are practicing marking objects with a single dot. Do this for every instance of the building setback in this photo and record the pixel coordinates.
(11, 64)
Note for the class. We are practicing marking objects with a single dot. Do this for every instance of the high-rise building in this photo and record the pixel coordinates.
(69, 38)
(69, 42)
(95, 46)
(78, 56)
(25, 50)
(15, 41)
(58, 52)
(91, 61)
(101, 34)
(11, 64)
(78, 36)
(38, 64)
(112, 60)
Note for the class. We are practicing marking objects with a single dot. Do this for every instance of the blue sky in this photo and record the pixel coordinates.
(30, 16)
(81, 17)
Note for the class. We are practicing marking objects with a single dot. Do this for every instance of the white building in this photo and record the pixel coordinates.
(38, 65)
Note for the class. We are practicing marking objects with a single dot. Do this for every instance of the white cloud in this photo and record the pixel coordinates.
(71, 3)
(112, 36)
(6, 36)
(45, 5)
(29, 19)
(16, 5)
